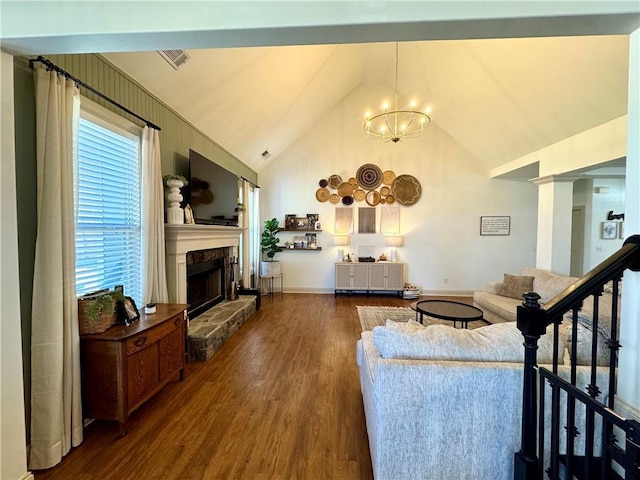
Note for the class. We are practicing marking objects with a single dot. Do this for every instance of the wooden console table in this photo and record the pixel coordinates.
(125, 366)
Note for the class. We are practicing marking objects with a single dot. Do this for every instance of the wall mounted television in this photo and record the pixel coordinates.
(212, 192)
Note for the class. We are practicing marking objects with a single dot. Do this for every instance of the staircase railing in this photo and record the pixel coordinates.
(546, 446)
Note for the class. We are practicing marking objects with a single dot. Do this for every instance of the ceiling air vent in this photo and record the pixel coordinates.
(176, 58)
(265, 154)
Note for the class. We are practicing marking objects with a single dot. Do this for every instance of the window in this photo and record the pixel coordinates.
(108, 206)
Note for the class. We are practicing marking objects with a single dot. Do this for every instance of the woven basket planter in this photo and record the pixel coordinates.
(96, 314)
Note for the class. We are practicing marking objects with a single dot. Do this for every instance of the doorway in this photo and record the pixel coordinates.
(577, 241)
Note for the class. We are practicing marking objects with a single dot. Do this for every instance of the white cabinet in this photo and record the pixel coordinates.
(369, 277)
(386, 276)
(352, 276)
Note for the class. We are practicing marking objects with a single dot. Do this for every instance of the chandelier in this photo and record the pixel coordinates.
(394, 125)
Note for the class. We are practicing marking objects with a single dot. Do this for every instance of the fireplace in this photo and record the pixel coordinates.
(208, 279)
(185, 239)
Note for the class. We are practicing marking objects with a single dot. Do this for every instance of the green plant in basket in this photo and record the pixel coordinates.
(93, 308)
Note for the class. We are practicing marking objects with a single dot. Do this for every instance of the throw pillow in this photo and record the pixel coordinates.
(514, 286)
(501, 342)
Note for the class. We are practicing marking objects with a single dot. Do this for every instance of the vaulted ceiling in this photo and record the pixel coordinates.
(498, 98)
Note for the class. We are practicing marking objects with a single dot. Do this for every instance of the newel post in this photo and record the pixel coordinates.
(531, 322)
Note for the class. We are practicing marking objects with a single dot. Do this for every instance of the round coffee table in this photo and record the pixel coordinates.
(447, 310)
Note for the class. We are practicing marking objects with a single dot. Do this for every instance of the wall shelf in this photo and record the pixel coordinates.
(299, 249)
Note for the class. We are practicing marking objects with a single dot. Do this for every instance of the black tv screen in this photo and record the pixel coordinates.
(212, 192)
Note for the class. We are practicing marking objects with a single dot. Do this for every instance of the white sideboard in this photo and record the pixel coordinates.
(369, 276)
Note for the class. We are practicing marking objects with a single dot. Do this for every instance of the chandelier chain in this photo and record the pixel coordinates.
(392, 126)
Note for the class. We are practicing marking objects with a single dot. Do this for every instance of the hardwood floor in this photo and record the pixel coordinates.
(280, 400)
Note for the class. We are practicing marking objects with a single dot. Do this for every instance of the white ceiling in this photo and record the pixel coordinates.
(499, 98)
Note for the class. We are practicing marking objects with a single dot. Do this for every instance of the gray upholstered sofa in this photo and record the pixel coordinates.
(444, 403)
(499, 303)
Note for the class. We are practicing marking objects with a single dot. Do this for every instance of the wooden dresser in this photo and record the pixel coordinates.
(125, 366)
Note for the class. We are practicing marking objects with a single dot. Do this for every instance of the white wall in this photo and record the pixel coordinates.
(441, 230)
(13, 464)
(602, 203)
(628, 378)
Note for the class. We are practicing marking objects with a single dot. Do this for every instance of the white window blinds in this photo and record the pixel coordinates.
(108, 230)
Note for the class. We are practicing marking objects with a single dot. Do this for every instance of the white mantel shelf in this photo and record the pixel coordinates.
(183, 238)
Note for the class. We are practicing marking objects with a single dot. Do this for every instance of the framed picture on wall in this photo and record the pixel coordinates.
(609, 230)
(366, 220)
(495, 225)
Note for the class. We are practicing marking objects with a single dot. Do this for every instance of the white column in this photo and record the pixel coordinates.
(555, 203)
(13, 462)
(629, 365)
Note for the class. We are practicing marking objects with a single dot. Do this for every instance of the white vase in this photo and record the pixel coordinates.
(175, 214)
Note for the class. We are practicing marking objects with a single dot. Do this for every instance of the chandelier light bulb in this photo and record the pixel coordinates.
(413, 104)
(385, 105)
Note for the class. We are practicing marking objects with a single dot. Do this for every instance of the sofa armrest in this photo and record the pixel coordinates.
(494, 287)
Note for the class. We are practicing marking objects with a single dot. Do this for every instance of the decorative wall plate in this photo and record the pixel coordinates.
(373, 198)
(387, 177)
(334, 198)
(348, 200)
(345, 189)
(323, 182)
(359, 195)
(406, 189)
(322, 194)
(369, 176)
(335, 180)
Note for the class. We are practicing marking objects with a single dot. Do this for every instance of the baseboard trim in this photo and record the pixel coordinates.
(424, 293)
(27, 476)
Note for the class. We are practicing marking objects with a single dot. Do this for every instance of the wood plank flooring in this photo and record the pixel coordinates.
(280, 400)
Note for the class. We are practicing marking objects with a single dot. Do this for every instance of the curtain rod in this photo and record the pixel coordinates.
(51, 66)
(249, 181)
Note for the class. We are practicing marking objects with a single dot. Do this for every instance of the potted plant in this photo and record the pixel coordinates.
(175, 182)
(174, 179)
(269, 244)
(97, 313)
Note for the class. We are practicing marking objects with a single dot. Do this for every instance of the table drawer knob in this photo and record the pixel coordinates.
(138, 342)
(177, 321)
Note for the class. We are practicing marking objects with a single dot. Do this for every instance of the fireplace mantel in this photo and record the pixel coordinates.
(180, 239)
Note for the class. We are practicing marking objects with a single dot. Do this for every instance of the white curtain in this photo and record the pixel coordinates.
(155, 276)
(253, 221)
(56, 408)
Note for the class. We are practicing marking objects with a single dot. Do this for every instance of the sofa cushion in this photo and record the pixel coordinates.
(501, 342)
(496, 306)
(548, 284)
(515, 286)
(584, 339)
